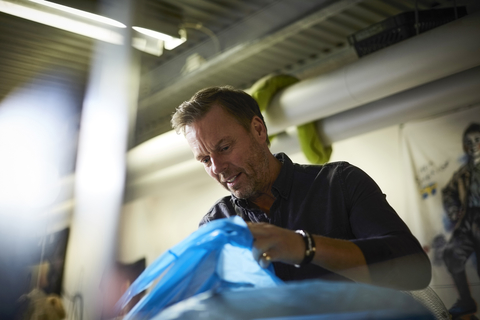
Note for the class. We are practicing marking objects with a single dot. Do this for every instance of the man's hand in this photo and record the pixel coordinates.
(272, 243)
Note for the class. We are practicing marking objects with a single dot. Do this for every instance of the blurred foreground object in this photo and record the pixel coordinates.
(108, 105)
(38, 305)
(38, 139)
(303, 300)
(116, 282)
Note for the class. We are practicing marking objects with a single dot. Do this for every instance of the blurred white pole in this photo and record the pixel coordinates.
(100, 171)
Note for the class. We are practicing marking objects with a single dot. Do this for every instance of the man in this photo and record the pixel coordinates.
(347, 230)
(461, 200)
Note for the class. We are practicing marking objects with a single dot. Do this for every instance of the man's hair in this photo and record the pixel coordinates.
(473, 127)
(239, 104)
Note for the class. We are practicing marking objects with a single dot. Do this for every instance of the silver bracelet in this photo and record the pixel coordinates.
(309, 248)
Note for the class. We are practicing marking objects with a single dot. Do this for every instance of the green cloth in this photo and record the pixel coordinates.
(264, 90)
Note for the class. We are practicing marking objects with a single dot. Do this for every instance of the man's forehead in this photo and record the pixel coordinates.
(189, 133)
(202, 142)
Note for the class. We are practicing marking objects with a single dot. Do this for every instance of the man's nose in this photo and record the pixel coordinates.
(218, 165)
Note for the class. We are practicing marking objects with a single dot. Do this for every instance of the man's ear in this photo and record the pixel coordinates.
(259, 129)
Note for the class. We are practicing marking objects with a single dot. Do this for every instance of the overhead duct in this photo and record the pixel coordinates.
(436, 54)
(433, 55)
(456, 91)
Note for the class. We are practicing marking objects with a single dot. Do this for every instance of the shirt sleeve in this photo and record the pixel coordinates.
(395, 257)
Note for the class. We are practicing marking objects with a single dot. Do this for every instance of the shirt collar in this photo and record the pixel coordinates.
(281, 186)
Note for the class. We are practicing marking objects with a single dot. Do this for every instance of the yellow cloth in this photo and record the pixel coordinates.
(41, 306)
(263, 91)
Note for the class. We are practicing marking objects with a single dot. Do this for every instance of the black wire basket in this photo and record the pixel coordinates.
(401, 27)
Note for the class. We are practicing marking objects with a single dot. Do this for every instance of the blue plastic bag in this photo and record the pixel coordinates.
(217, 256)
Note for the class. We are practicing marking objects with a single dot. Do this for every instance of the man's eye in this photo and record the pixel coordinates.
(225, 148)
(205, 160)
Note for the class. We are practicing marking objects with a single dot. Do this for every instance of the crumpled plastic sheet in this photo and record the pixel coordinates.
(217, 256)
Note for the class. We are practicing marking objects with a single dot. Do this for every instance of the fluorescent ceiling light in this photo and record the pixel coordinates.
(80, 13)
(89, 24)
(48, 13)
(148, 44)
(169, 41)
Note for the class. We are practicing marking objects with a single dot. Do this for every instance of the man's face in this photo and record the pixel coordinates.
(233, 156)
(471, 145)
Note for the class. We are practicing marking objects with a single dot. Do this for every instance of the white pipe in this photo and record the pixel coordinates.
(157, 153)
(436, 54)
(457, 91)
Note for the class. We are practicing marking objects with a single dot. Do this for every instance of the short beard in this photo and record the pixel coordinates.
(260, 180)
